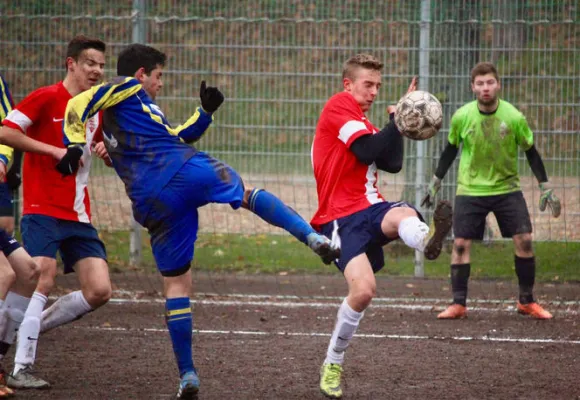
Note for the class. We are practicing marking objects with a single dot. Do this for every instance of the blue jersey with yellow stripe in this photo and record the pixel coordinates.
(6, 105)
(145, 150)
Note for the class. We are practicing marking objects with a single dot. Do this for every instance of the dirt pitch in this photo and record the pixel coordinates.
(264, 337)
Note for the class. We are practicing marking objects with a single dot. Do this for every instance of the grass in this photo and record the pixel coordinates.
(281, 254)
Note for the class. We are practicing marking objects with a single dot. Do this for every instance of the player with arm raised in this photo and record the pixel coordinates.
(346, 153)
(56, 213)
(167, 180)
(491, 131)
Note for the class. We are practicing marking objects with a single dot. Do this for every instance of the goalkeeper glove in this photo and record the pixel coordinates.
(429, 198)
(69, 163)
(548, 198)
(211, 97)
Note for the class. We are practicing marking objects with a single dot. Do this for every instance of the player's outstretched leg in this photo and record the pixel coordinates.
(272, 210)
(440, 227)
(179, 321)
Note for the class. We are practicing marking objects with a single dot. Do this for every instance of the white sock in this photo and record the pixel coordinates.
(11, 314)
(66, 309)
(29, 332)
(347, 321)
(413, 232)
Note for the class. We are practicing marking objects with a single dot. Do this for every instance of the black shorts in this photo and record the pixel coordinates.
(510, 210)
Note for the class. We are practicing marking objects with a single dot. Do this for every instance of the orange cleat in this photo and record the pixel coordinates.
(5, 391)
(454, 311)
(534, 310)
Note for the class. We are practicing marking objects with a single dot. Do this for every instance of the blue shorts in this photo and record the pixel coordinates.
(6, 201)
(172, 221)
(7, 243)
(43, 236)
(361, 232)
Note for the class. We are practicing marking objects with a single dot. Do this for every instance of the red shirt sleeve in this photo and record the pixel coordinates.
(347, 119)
(28, 111)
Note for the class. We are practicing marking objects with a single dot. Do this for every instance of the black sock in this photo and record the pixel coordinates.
(526, 272)
(459, 277)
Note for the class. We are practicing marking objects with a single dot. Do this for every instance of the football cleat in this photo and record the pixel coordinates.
(5, 391)
(322, 246)
(440, 227)
(534, 310)
(188, 387)
(24, 379)
(454, 311)
(330, 380)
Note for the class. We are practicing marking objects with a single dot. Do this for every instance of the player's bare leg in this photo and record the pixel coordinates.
(29, 331)
(362, 285)
(460, 271)
(274, 211)
(93, 274)
(525, 265)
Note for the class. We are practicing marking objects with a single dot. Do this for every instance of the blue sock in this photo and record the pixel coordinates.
(180, 324)
(272, 210)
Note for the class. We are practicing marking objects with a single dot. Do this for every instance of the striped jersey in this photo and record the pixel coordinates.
(344, 184)
(6, 105)
(145, 149)
(40, 115)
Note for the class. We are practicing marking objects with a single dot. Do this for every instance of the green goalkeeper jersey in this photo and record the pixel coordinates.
(489, 157)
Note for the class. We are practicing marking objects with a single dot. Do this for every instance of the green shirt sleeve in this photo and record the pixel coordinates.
(524, 135)
(455, 130)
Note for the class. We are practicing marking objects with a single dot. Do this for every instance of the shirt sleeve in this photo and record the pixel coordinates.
(6, 102)
(524, 135)
(347, 121)
(28, 111)
(88, 103)
(455, 130)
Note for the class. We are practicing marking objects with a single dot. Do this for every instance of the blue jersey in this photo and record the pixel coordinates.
(145, 150)
(6, 105)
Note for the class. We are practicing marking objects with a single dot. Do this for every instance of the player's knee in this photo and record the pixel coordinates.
(526, 245)
(98, 296)
(32, 274)
(363, 296)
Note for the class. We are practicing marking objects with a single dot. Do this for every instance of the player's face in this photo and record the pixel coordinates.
(88, 69)
(152, 83)
(486, 89)
(364, 87)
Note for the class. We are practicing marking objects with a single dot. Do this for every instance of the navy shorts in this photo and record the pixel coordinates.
(361, 232)
(510, 210)
(7, 243)
(44, 236)
(6, 201)
(172, 221)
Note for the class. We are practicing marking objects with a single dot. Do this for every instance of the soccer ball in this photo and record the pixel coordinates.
(419, 115)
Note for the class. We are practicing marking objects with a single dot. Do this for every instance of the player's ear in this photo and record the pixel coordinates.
(346, 83)
(69, 62)
(140, 74)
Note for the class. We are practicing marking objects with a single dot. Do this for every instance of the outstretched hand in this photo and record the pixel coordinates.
(413, 85)
(211, 97)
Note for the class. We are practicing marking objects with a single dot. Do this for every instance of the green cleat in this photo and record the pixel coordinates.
(330, 380)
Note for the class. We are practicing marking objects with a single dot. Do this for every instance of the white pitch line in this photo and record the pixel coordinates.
(358, 335)
(339, 298)
(291, 304)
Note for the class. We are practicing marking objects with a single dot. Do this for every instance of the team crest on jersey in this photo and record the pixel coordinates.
(503, 130)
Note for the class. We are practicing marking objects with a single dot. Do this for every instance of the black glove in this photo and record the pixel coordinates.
(69, 164)
(13, 179)
(211, 97)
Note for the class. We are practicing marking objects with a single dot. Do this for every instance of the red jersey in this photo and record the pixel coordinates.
(45, 191)
(344, 184)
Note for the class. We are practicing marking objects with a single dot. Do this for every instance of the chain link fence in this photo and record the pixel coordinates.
(279, 61)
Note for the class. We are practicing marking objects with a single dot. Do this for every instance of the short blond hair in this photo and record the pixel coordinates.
(365, 61)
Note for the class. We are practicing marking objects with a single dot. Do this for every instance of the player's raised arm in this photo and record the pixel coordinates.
(194, 128)
(82, 107)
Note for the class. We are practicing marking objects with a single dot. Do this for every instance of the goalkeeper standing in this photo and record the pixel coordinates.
(491, 131)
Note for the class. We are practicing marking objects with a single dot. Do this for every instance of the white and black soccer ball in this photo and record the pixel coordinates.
(419, 115)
